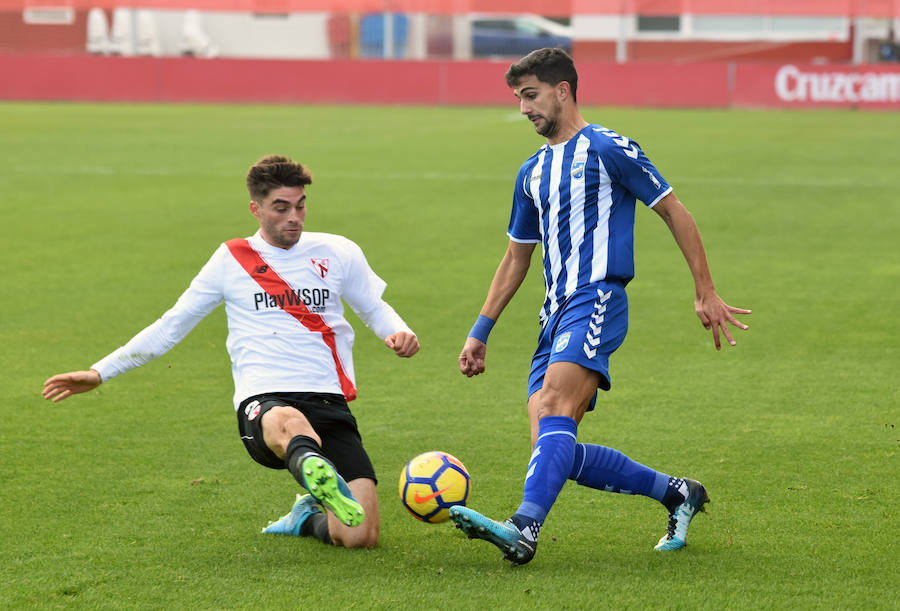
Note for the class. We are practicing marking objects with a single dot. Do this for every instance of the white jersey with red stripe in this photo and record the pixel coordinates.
(272, 349)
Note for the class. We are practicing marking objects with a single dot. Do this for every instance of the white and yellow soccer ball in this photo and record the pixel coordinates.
(432, 483)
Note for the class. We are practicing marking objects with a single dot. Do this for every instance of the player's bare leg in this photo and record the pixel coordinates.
(577, 397)
(291, 437)
(567, 391)
(366, 534)
(282, 423)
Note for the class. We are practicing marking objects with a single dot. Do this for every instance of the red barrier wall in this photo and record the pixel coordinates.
(703, 85)
(265, 81)
(653, 84)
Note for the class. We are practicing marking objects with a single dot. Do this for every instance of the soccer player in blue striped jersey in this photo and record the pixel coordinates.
(576, 196)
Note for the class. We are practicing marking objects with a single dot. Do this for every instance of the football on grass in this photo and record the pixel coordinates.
(432, 483)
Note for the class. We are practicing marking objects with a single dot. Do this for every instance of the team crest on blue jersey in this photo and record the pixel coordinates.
(561, 342)
(578, 168)
(321, 266)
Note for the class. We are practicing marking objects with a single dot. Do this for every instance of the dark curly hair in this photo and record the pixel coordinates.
(549, 65)
(274, 171)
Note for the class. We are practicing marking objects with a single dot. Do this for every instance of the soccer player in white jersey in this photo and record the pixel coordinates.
(291, 353)
(576, 197)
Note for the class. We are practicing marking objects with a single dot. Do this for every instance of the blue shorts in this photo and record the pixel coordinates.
(586, 329)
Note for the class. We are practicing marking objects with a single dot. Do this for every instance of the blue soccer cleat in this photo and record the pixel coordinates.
(329, 488)
(515, 547)
(290, 523)
(680, 516)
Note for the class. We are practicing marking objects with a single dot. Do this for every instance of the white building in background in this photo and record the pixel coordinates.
(97, 32)
(314, 35)
(146, 34)
(194, 40)
(122, 34)
(161, 33)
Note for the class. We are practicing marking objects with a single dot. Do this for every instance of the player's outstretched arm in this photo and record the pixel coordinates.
(403, 344)
(63, 385)
(713, 312)
(507, 279)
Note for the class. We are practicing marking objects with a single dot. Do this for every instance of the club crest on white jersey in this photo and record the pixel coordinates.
(320, 265)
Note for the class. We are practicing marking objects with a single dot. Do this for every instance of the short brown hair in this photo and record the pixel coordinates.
(274, 171)
(549, 65)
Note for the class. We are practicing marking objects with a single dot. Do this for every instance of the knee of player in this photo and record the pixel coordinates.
(282, 423)
(363, 536)
(366, 542)
(560, 403)
(552, 402)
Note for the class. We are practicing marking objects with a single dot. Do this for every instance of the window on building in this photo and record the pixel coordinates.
(658, 23)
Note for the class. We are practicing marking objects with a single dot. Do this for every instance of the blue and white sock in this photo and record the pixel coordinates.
(548, 469)
(676, 493)
(608, 469)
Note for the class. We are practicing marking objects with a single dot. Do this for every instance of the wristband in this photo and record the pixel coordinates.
(482, 328)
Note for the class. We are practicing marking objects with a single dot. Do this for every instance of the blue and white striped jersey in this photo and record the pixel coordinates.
(577, 199)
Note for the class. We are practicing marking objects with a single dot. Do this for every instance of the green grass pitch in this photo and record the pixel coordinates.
(140, 495)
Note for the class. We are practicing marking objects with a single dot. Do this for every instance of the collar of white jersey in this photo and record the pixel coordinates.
(264, 248)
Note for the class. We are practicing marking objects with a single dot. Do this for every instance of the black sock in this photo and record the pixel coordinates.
(297, 449)
(316, 526)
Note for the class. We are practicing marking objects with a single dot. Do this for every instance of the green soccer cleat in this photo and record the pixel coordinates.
(680, 516)
(329, 488)
(290, 523)
(515, 547)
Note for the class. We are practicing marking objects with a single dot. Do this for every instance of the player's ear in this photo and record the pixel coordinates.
(563, 91)
(254, 208)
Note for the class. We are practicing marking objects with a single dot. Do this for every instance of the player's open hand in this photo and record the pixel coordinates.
(471, 359)
(716, 315)
(63, 385)
(402, 343)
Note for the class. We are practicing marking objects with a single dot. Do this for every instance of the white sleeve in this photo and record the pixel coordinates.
(363, 291)
(201, 298)
(383, 320)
